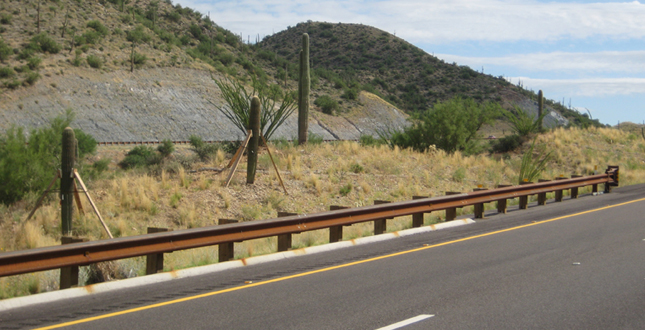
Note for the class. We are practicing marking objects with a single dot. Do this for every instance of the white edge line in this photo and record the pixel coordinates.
(406, 322)
(46, 297)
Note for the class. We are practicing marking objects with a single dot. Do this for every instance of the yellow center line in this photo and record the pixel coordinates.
(138, 309)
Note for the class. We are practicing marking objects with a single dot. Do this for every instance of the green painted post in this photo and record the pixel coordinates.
(254, 125)
(68, 159)
(304, 84)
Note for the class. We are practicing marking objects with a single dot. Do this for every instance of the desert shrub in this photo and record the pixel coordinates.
(91, 37)
(5, 18)
(85, 142)
(94, 61)
(138, 35)
(166, 148)
(33, 62)
(140, 156)
(327, 104)
(368, 140)
(101, 165)
(346, 189)
(522, 123)
(356, 168)
(98, 27)
(12, 84)
(28, 164)
(204, 151)
(315, 139)
(140, 59)
(450, 125)
(507, 143)
(31, 78)
(533, 163)
(5, 51)
(44, 43)
(6, 72)
(350, 94)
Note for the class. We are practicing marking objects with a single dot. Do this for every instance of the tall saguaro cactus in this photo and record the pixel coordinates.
(540, 108)
(303, 91)
(68, 159)
(254, 125)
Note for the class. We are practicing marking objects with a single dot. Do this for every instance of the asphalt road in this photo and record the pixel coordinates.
(572, 265)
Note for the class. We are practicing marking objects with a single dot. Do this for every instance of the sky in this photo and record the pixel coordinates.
(591, 54)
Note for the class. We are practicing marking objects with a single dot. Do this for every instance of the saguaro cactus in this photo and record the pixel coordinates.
(540, 108)
(303, 91)
(254, 125)
(68, 159)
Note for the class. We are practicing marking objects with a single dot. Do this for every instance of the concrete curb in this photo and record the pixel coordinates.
(52, 296)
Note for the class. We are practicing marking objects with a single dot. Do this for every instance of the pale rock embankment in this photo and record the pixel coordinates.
(166, 103)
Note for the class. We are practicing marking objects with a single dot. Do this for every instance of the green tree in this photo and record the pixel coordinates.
(28, 164)
(451, 126)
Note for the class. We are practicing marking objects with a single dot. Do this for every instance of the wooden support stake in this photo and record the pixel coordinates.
(380, 225)
(417, 218)
(42, 197)
(479, 208)
(336, 232)
(501, 204)
(274, 166)
(226, 251)
(285, 240)
(154, 262)
(96, 210)
(77, 197)
(69, 275)
(451, 213)
(237, 160)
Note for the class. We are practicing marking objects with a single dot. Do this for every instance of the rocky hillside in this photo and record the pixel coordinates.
(144, 72)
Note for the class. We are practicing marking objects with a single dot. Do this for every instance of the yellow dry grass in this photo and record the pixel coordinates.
(314, 175)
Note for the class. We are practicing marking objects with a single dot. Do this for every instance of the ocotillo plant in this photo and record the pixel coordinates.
(254, 125)
(303, 91)
(540, 108)
(68, 158)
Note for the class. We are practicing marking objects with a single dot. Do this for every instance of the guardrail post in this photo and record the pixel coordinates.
(336, 232)
(542, 196)
(225, 251)
(284, 240)
(501, 204)
(69, 275)
(451, 213)
(380, 225)
(594, 189)
(417, 218)
(154, 262)
(479, 208)
(558, 193)
(524, 200)
(574, 191)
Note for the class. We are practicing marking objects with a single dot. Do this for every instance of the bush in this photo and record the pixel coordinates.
(12, 84)
(6, 72)
(98, 27)
(5, 18)
(204, 151)
(94, 61)
(350, 94)
(5, 51)
(507, 143)
(140, 59)
(166, 148)
(44, 43)
(29, 164)
(138, 35)
(327, 104)
(33, 62)
(140, 156)
(451, 126)
(85, 142)
(522, 123)
(31, 78)
(368, 140)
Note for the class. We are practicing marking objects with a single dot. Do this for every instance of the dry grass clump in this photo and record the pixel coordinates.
(316, 176)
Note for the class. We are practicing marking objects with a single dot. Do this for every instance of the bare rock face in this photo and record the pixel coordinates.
(166, 103)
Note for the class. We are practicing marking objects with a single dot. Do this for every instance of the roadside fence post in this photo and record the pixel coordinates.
(284, 240)
(69, 275)
(417, 218)
(225, 251)
(451, 213)
(479, 208)
(336, 232)
(154, 262)
(542, 196)
(501, 204)
(380, 225)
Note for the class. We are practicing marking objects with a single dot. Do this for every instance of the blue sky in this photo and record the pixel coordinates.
(589, 52)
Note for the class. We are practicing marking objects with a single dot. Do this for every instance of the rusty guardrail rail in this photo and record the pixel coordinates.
(85, 253)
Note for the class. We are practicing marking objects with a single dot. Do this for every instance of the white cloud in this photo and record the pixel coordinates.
(608, 61)
(590, 87)
(440, 21)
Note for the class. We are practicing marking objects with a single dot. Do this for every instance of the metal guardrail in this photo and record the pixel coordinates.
(81, 254)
